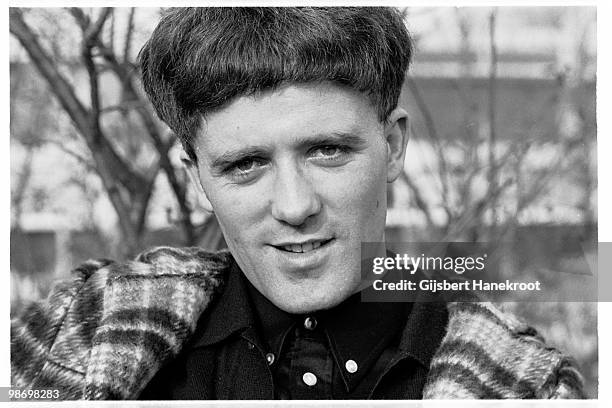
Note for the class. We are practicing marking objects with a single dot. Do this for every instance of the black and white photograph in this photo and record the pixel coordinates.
(303, 203)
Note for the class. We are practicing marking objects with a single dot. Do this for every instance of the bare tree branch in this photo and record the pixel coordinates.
(21, 185)
(102, 151)
(472, 215)
(121, 107)
(162, 146)
(420, 202)
(94, 116)
(111, 40)
(129, 189)
(435, 138)
(150, 124)
(59, 85)
(492, 176)
(94, 30)
(80, 158)
(128, 35)
(112, 169)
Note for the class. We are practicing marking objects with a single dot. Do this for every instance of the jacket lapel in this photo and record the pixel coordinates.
(151, 308)
(487, 354)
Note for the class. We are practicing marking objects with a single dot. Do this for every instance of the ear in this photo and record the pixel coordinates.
(194, 177)
(396, 136)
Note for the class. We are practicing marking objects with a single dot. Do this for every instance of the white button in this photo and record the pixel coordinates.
(310, 323)
(351, 366)
(270, 358)
(309, 379)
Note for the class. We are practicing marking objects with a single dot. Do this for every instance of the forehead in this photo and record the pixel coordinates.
(291, 112)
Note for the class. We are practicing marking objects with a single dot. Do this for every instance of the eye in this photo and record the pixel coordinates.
(330, 153)
(245, 165)
(327, 151)
(245, 169)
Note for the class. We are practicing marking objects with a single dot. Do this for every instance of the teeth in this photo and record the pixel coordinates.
(302, 248)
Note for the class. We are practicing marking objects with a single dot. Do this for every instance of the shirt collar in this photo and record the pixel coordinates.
(273, 323)
(231, 312)
(424, 330)
(363, 330)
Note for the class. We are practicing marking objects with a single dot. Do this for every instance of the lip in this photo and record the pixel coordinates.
(310, 241)
(303, 261)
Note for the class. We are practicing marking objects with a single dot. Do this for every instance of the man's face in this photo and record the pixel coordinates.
(297, 178)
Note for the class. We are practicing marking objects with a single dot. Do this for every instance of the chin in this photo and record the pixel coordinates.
(297, 305)
(305, 307)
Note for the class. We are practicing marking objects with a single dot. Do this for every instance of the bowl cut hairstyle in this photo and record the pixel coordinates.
(199, 59)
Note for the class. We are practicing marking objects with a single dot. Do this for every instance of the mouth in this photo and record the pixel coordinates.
(305, 247)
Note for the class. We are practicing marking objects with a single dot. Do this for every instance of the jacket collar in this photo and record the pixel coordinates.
(150, 310)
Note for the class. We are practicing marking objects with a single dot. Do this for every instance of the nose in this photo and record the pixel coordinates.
(294, 198)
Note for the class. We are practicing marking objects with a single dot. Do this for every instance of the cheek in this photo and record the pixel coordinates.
(238, 214)
(373, 196)
(362, 193)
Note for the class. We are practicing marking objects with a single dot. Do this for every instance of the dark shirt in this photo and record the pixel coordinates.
(330, 354)
(246, 348)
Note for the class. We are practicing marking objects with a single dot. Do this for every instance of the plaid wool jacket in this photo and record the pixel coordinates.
(107, 331)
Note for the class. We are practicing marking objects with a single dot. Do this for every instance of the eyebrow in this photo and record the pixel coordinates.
(234, 156)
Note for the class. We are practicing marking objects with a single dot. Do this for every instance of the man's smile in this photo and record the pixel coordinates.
(303, 247)
(304, 257)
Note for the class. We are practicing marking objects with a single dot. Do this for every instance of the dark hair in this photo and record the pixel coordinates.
(199, 59)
